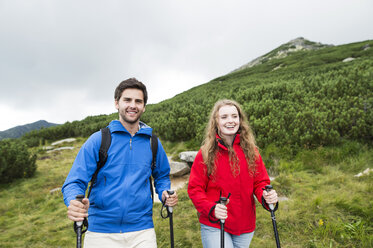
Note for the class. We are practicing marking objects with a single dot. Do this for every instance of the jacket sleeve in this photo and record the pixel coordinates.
(81, 172)
(197, 186)
(261, 178)
(161, 172)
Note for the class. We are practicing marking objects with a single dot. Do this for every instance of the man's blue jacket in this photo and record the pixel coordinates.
(120, 200)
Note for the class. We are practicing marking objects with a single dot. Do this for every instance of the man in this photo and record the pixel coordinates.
(119, 209)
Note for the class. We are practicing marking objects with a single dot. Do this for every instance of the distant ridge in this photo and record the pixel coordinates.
(18, 131)
(284, 50)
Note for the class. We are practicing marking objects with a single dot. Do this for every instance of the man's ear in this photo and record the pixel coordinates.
(116, 104)
(144, 109)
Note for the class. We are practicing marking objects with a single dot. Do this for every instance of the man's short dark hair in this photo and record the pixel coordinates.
(131, 83)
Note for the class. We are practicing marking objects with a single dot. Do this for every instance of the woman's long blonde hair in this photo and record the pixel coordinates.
(247, 141)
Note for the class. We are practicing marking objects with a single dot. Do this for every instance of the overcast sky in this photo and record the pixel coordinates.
(61, 60)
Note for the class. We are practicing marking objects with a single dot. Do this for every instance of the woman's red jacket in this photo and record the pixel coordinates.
(204, 191)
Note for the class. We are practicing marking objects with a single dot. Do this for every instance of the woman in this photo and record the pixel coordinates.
(228, 163)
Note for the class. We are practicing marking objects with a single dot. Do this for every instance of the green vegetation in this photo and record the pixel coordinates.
(15, 161)
(307, 99)
(312, 117)
(327, 206)
(18, 131)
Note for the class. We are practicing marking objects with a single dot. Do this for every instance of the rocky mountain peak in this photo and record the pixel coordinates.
(284, 50)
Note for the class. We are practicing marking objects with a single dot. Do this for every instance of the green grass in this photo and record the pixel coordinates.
(327, 206)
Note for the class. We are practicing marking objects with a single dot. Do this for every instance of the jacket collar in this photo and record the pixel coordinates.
(116, 126)
(221, 143)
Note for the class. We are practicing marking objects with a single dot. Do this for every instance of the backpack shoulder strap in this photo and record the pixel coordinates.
(102, 154)
(105, 145)
(154, 146)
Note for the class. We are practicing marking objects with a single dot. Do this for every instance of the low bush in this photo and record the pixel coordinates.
(15, 161)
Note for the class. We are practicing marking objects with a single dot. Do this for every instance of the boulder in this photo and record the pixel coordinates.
(366, 172)
(188, 156)
(348, 59)
(61, 148)
(55, 190)
(179, 169)
(48, 148)
(63, 141)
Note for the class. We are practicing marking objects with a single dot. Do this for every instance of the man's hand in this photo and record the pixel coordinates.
(171, 200)
(77, 210)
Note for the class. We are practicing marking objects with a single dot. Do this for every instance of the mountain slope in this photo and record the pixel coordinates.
(308, 98)
(18, 131)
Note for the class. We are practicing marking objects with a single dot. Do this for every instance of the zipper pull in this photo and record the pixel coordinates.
(130, 143)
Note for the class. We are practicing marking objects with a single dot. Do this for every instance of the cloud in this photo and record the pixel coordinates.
(61, 60)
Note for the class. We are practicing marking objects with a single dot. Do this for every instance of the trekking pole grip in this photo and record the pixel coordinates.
(78, 225)
(268, 188)
(224, 201)
(170, 192)
(79, 198)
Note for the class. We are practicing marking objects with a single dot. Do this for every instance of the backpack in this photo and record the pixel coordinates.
(102, 154)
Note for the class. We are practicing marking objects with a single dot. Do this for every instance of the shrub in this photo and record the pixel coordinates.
(15, 161)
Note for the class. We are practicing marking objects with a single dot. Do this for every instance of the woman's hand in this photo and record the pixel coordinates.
(221, 211)
(270, 197)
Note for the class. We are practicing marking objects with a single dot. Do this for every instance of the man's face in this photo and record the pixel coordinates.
(130, 105)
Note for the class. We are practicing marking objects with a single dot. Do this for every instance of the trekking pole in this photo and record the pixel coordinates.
(272, 209)
(78, 226)
(169, 215)
(170, 210)
(223, 201)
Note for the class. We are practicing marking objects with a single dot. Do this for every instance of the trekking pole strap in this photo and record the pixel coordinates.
(222, 200)
(169, 209)
(210, 215)
(266, 206)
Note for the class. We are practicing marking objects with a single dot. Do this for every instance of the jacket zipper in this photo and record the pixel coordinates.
(131, 143)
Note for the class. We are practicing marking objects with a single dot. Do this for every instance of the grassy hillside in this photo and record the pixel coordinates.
(307, 99)
(327, 206)
(312, 116)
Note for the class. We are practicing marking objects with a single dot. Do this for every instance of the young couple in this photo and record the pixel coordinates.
(119, 209)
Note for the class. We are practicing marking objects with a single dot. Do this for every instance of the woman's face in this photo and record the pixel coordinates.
(228, 121)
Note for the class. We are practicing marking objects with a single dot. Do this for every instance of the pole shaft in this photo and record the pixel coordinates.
(171, 231)
(275, 229)
(222, 234)
(79, 237)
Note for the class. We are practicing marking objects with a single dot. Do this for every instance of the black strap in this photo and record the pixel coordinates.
(266, 206)
(210, 215)
(154, 146)
(163, 207)
(102, 155)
